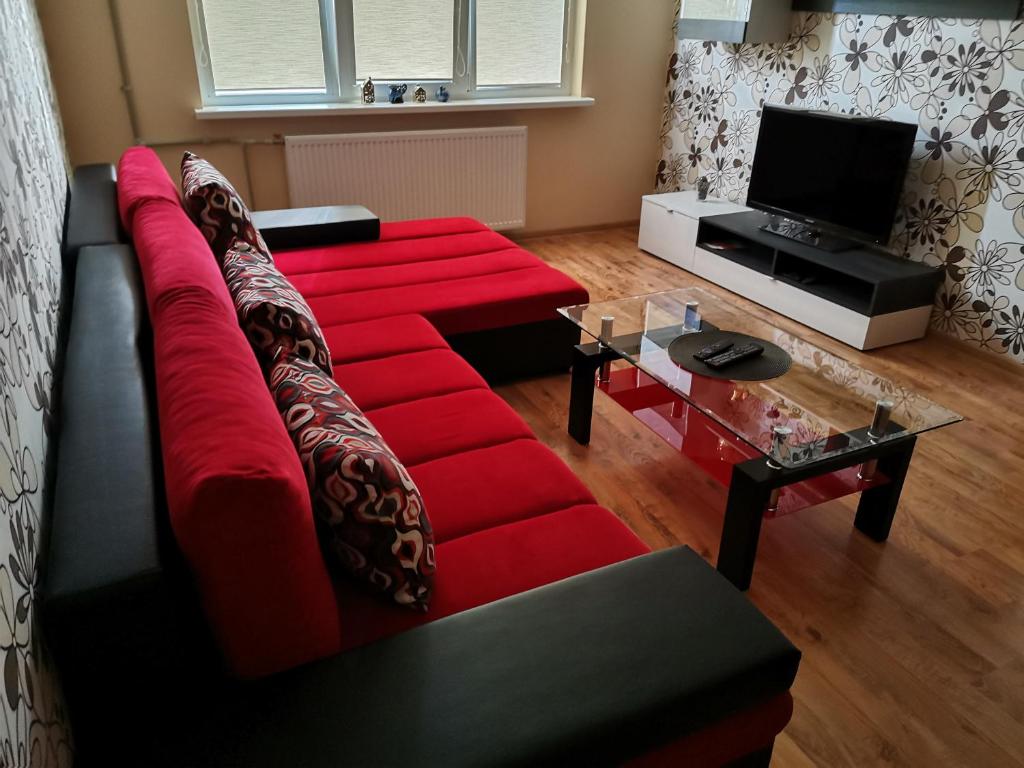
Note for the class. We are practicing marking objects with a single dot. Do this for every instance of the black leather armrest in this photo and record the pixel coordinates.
(310, 227)
(590, 670)
(92, 209)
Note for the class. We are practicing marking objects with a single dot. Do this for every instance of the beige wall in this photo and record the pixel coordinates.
(587, 166)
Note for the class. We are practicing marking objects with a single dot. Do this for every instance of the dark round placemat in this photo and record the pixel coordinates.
(773, 362)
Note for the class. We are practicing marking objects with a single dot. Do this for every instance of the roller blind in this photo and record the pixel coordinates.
(264, 44)
(519, 43)
(404, 39)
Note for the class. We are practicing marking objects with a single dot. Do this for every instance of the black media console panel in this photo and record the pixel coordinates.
(868, 281)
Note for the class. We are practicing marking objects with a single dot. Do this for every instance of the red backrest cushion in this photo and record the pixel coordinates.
(141, 177)
(173, 256)
(236, 493)
(237, 496)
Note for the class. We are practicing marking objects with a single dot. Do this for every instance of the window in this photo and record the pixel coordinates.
(256, 52)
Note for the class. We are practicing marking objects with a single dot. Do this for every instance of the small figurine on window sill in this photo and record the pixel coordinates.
(369, 93)
(442, 94)
(420, 94)
(703, 185)
(397, 91)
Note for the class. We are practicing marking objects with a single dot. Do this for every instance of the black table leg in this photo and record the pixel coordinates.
(748, 497)
(586, 360)
(877, 506)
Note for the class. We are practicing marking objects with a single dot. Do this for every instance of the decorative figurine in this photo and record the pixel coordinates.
(369, 92)
(420, 94)
(442, 94)
(703, 185)
(395, 97)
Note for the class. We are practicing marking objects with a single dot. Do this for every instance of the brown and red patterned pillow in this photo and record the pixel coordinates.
(216, 207)
(274, 316)
(369, 511)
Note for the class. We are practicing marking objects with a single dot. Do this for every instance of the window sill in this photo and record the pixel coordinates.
(234, 112)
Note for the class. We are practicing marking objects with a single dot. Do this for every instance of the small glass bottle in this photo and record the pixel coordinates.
(691, 318)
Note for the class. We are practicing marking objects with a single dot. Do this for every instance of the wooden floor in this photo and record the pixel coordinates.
(913, 649)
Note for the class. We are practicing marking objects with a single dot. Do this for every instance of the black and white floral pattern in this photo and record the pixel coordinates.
(33, 183)
(960, 81)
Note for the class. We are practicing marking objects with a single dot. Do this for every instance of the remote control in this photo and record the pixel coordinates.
(714, 349)
(734, 355)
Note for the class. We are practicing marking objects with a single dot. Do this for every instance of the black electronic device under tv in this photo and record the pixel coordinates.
(840, 174)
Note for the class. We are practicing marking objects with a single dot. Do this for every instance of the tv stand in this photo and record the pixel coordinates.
(861, 296)
(806, 234)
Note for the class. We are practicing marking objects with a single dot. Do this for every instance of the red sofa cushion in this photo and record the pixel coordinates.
(457, 273)
(142, 177)
(495, 563)
(500, 484)
(371, 514)
(432, 427)
(272, 313)
(236, 493)
(404, 377)
(386, 336)
(174, 257)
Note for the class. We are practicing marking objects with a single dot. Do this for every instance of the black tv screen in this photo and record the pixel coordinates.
(836, 171)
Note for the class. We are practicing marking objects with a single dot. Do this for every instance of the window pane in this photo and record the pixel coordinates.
(519, 43)
(404, 39)
(264, 44)
(729, 10)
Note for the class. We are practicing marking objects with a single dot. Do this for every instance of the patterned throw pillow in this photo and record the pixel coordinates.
(274, 316)
(216, 207)
(369, 512)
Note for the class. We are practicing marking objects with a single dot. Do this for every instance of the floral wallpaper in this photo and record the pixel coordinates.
(959, 81)
(33, 188)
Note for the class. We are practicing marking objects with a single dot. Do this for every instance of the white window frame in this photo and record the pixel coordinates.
(341, 86)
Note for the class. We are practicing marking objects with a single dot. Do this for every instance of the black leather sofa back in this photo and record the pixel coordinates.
(117, 607)
(92, 217)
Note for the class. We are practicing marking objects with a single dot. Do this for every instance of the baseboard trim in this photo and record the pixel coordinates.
(533, 234)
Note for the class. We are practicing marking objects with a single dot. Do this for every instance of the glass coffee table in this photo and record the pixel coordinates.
(823, 429)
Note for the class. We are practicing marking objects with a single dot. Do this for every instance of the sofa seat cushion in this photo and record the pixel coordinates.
(412, 229)
(457, 273)
(274, 316)
(370, 513)
(433, 427)
(495, 563)
(383, 337)
(405, 377)
(390, 251)
(500, 484)
(462, 305)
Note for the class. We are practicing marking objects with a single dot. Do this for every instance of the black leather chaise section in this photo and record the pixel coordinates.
(92, 211)
(588, 671)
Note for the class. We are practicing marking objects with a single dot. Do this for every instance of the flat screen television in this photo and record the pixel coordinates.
(841, 173)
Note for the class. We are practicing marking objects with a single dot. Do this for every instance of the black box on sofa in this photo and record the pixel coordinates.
(321, 225)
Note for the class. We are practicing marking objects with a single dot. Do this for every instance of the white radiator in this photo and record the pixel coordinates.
(478, 172)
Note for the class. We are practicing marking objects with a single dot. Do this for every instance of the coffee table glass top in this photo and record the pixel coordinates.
(825, 401)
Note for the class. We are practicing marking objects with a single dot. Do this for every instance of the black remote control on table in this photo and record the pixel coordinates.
(713, 349)
(742, 352)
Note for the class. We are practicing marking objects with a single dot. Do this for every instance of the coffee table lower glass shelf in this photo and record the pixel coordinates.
(825, 429)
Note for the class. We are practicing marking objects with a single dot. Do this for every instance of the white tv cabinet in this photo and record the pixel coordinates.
(863, 297)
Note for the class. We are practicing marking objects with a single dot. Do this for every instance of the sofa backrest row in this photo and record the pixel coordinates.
(240, 514)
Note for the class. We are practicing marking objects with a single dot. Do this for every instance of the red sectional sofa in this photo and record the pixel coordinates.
(508, 517)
